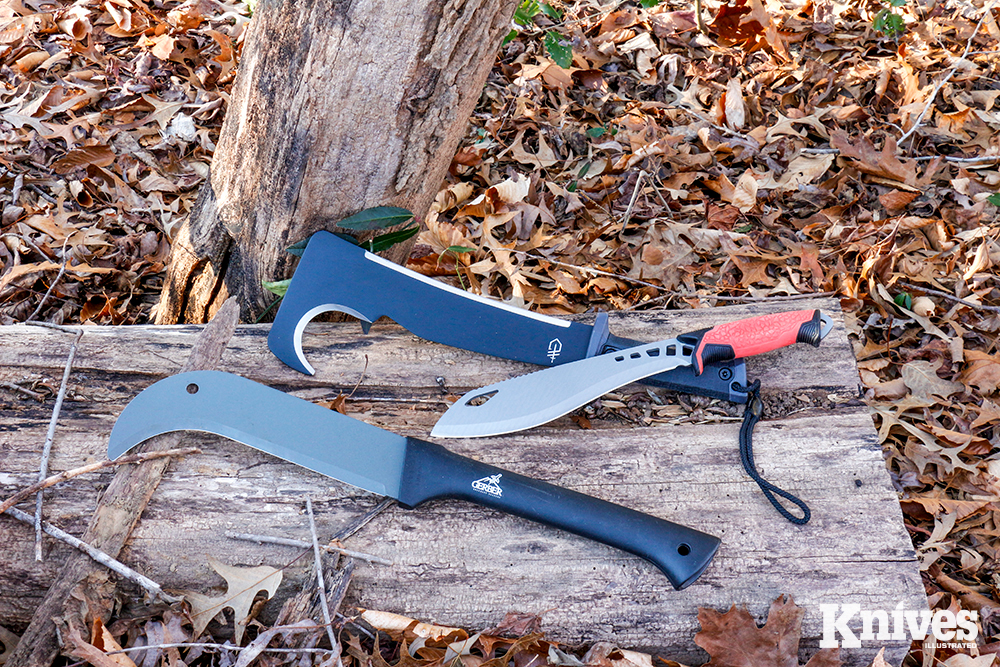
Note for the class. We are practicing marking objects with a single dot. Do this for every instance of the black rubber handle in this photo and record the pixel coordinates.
(431, 471)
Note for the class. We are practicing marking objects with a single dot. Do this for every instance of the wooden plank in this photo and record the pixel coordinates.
(456, 563)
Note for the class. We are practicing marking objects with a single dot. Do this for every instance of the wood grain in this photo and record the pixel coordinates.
(455, 563)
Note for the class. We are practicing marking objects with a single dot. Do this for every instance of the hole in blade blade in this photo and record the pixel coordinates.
(684, 549)
(654, 352)
(192, 388)
(481, 399)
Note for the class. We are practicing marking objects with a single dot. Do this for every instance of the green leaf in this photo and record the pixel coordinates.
(897, 3)
(458, 249)
(904, 300)
(559, 49)
(649, 3)
(510, 35)
(279, 287)
(743, 229)
(551, 11)
(994, 199)
(596, 132)
(571, 187)
(584, 169)
(525, 11)
(297, 248)
(379, 217)
(386, 241)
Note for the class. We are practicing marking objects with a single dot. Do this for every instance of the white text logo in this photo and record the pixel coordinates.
(943, 624)
(489, 485)
(555, 347)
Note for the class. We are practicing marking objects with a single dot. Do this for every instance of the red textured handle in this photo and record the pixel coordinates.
(745, 338)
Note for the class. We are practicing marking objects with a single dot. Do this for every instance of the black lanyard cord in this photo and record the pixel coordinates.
(751, 415)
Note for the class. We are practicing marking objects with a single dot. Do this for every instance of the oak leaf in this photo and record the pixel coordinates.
(242, 586)
(922, 379)
(983, 372)
(733, 639)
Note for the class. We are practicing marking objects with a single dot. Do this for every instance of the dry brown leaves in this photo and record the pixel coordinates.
(662, 168)
(108, 116)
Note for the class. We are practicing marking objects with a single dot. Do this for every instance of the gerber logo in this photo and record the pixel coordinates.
(944, 625)
(489, 485)
(555, 347)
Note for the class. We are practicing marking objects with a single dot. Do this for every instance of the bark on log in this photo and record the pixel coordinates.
(456, 563)
(338, 107)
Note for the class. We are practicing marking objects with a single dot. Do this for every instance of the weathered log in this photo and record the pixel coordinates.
(455, 563)
(337, 107)
(112, 522)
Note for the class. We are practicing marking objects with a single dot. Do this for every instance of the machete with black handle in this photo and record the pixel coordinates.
(410, 470)
(336, 275)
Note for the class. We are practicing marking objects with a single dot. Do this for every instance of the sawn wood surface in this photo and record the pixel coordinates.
(456, 563)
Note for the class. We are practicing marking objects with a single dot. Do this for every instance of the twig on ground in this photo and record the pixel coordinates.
(43, 469)
(104, 559)
(223, 647)
(53, 325)
(62, 272)
(92, 467)
(950, 297)
(353, 528)
(319, 575)
(289, 542)
(587, 269)
(951, 72)
(635, 195)
(38, 396)
(737, 299)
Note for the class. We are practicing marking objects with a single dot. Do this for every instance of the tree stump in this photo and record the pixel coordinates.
(337, 107)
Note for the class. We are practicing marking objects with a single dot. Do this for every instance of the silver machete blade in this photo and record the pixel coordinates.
(531, 400)
(272, 421)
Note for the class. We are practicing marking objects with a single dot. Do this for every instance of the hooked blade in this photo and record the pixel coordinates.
(336, 275)
(410, 470)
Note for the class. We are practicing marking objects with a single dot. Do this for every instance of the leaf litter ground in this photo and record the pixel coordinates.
(793, 152)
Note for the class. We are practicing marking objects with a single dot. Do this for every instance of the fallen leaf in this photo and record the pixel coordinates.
(922, 379)
(745, 195)
(732, 639)
(983, 371)
(242, 585)
(400, 626)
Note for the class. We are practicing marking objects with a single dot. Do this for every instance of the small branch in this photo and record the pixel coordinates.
(223, 647)
(919, 158)
(38, 396)
(587, 269)
(289, 542)
(319, 575)
(735, 299)
(62, 272)
(364, 520)
(43, 469)
(53, 325)
(104, 559)
(635, 196)
(951, 72)
(950, 297)
(92, 467)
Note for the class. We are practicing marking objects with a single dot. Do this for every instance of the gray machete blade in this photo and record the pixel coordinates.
(533, 399)
(272, 421)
